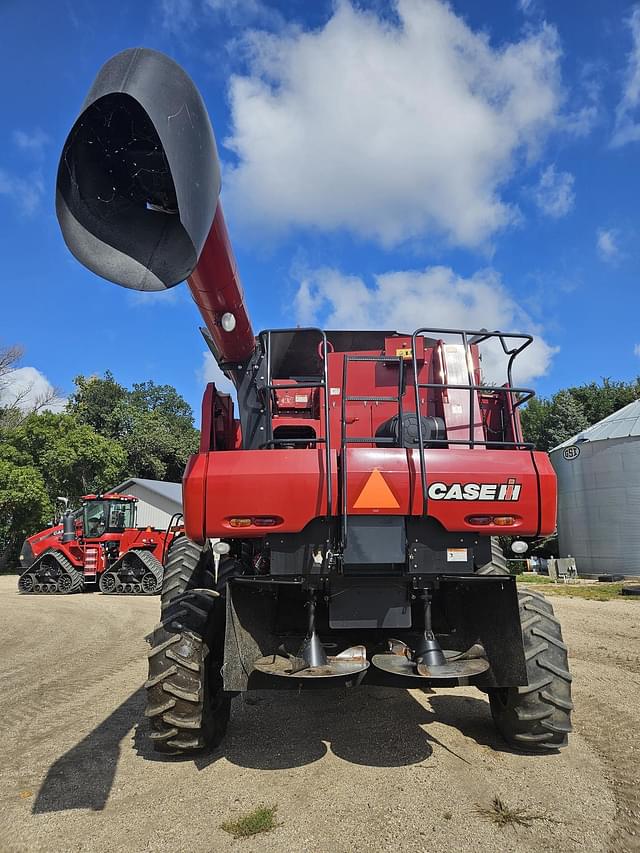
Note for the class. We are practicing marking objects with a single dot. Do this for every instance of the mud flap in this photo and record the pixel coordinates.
(488, 608)
(250, 615)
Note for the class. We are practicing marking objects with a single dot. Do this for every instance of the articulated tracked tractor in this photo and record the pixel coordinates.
(97, 546)
(357, 494)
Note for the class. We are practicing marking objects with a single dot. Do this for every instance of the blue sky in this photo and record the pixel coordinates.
(391, 164)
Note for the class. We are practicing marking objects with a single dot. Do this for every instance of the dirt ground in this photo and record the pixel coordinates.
(365, 770)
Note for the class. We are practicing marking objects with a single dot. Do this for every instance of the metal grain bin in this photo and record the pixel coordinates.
(599, 495)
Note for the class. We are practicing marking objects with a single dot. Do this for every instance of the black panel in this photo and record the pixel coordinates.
(375, 539)
(294, 553)
(432, 549)
(369, 604)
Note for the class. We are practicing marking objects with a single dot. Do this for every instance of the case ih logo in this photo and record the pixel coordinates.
(509, 491)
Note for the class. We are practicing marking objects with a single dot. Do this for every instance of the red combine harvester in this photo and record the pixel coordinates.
(97, 545)
(359, 492)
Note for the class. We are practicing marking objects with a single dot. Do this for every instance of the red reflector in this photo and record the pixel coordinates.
(504, 520)
(479, 519)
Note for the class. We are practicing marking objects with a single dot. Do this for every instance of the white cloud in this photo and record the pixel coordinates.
(527, 7)
(554, 193)
(28, 388)
(403, 301)
(32, 142)
(178, 16)
(243, 11)
(390, 131)
(210, 372)
(149, 298)
(627, 127)
(25, 192)
(184, 16)
(636, 350)
(607, 244)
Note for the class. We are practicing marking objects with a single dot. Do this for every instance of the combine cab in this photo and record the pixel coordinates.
(358, 495)
(96, 546)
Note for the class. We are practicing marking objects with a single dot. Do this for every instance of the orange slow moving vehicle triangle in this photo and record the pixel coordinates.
(376, 494)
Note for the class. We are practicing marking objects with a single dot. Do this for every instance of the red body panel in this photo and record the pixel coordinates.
(291, 485)
(286, 484)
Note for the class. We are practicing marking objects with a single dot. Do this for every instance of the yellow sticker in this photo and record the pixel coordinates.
(404, 353)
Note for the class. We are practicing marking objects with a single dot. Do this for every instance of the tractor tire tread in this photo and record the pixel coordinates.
(537, 717)
(185, 660)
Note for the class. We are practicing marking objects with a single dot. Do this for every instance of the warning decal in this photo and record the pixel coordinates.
(376, 494)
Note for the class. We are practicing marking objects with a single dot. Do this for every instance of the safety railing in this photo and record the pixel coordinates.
(321, 382)
(515, 396)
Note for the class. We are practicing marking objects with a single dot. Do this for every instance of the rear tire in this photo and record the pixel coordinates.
(186, 704)
(537, 718)
(498, 564)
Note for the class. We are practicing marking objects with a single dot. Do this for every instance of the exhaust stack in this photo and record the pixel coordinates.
(137, 193)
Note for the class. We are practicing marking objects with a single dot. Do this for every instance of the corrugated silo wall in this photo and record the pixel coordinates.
(599, 506)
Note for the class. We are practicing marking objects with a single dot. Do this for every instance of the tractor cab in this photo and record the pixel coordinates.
(104, 514)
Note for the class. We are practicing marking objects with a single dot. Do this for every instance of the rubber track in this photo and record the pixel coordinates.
(537, 717)
(151, 564)
(186, 706)
(77, 578)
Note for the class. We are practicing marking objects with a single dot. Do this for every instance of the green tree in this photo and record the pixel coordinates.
(549, 422)
(534, 417)
(72, 457)
(566, 419)
(152, 423)
(598, 401)
(25, 507)
(94, 400)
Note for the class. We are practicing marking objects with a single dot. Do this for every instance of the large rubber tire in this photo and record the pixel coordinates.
(537, 718)
(186, 704)
(498, 564)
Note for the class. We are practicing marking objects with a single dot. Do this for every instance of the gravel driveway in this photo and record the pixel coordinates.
(364, 770)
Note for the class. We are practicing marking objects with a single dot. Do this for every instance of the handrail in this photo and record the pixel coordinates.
(471, 338)
(269, 387)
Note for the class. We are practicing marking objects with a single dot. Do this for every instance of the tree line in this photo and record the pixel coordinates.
(548, 422)
(106, 433)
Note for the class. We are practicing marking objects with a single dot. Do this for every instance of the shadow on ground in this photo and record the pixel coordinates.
(82, 778)
(273, 730)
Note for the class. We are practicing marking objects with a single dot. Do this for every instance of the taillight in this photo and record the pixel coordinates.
(255, 521)
(266, 521)
(498, 520)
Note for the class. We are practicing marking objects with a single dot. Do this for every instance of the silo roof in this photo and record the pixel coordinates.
(621, 424)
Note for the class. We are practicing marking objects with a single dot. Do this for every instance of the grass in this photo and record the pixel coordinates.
(592, 592)
(262, 819)
(533, 579)
(503, 815)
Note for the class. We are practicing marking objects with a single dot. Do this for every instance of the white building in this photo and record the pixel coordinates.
(157, 500)
(599, 495)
